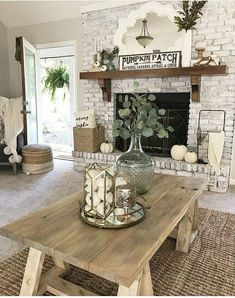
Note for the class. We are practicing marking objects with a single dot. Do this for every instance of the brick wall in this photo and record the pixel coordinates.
(217, 27)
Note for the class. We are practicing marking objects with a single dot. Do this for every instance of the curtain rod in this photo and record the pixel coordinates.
(65, 56)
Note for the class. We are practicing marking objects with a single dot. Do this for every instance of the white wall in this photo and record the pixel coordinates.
(4, 65)
(233, 163)
(59, 31)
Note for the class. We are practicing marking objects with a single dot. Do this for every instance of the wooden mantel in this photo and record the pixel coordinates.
(104, 77)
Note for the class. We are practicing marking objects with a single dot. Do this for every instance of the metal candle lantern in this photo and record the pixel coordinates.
(101, 207)
(99, 190)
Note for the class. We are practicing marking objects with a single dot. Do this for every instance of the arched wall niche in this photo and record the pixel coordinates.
(161, 26)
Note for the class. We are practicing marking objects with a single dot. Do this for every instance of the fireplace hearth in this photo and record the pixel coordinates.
(177, 116)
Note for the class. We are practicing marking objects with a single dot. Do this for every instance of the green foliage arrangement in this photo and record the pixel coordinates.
(57, 77)
(107, 55)
(189, 15)
(141, 116)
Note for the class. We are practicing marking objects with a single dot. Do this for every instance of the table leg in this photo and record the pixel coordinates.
(142, 286)
(195, 217)
(32, 273)
(185, 229)
(146, 287)
(61, 264)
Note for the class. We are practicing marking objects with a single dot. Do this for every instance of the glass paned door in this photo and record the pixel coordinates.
(30, 91)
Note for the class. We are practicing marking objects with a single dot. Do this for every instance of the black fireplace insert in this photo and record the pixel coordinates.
(177, 116)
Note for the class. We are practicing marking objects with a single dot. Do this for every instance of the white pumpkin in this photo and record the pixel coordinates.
(106, 147)
(190, 157)
(178, 152)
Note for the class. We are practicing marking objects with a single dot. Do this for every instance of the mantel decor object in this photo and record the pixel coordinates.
(104, 60)
(186, 20)
(144, 39)
(109, 201)
(209, 60)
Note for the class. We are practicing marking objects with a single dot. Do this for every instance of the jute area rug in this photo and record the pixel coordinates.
(208, 269)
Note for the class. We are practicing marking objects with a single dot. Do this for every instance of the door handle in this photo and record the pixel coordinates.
(25, 112)
(25, 103)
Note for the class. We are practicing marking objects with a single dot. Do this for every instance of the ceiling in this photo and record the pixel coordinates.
(22, 13)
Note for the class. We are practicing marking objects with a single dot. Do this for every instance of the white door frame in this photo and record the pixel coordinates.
(73, 103)
(32, 49)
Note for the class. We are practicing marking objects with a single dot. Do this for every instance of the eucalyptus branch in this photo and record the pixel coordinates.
(188, 15)
(139, 114)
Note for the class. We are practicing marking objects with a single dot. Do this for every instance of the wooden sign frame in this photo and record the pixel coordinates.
(150, 60)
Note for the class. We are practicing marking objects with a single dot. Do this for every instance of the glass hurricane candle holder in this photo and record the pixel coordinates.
(125, 199)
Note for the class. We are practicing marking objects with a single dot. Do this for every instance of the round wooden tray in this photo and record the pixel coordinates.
(117, 219)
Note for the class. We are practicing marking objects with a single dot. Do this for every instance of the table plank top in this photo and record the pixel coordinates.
(117, 255)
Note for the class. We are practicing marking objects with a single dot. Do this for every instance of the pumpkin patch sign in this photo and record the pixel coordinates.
(150, 61)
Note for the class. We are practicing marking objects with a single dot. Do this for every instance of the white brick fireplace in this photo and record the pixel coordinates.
(217, 28)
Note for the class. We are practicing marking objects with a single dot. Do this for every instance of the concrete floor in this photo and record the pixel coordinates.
(21, 194)
(219, 202)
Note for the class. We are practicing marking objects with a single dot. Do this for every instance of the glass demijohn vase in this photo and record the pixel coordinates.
(137, 165)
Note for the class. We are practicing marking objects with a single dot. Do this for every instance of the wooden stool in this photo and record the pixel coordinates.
(37, 159)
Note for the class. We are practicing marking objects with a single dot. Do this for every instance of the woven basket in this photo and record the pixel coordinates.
(37, 159)
(88, 139)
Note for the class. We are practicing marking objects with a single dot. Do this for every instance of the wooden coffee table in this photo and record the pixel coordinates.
(121, 256)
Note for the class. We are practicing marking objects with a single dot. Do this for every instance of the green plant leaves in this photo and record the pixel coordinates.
(139, 114)
(127, 104)
(125, 134)
(152, 120)
(148, 132)
(161, 112)
(170, 128)
(116, 133)
(117, 124)
(140, 124)
(189, 15)
(162, 133)
(136, 84)
(57, 77)
(152, 97)
(124, 113)
(153, 112)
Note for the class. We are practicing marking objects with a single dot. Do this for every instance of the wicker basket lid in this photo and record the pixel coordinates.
(37, 148)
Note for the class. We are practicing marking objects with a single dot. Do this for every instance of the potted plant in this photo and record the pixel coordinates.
(57, 77)
(186, 20)
(107, 57)
(139, 116)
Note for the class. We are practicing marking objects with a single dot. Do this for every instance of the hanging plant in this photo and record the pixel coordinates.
(189, 15)
(57, 77)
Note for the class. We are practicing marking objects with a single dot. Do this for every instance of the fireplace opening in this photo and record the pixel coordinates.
(177, 116)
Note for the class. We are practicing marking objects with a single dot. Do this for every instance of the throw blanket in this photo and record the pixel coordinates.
(3, 105)
(215, 151)
(13, 125)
